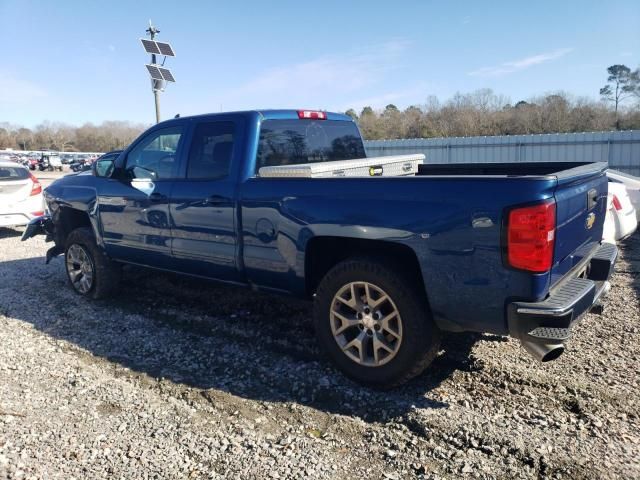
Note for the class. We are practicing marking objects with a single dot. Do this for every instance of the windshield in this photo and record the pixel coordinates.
(13, 173)
(286, 142)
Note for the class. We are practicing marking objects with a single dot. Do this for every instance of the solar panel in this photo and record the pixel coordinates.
(166, 74)
(165, 49)
(150, 46)
(154, 71)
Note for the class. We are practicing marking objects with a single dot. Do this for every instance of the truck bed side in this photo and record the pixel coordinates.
(452, 226)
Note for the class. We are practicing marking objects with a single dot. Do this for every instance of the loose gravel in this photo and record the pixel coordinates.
(179, 378)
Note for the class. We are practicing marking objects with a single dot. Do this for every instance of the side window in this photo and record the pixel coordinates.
(211, 150)
(155, 156)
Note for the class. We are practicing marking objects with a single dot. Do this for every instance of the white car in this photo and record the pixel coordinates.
(621, 220)
(20, 195)
(632, 185)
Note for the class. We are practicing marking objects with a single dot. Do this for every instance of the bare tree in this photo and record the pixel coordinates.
(621, 85)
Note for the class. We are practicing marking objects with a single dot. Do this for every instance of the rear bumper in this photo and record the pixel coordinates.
(544, 326)
(626, 224)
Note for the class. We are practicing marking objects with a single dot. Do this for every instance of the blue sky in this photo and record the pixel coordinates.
(77, 61)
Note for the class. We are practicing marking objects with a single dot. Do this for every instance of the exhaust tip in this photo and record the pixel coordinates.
(543, 352)
(553, 354)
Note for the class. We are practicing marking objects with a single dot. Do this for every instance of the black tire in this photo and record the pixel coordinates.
(106, 273)
(420, 336)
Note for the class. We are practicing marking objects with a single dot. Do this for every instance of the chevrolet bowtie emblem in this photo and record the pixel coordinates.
(591, 219)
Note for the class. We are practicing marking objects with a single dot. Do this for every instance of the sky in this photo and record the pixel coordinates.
(78, 61)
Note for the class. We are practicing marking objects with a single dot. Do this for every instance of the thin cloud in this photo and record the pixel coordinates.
(402, 98)
(318, 82)
(520, 64)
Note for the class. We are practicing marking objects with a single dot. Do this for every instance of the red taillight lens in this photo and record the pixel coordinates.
(36, 188)
(616, 203)
(530, 237)
(38, 213)
(312, 115)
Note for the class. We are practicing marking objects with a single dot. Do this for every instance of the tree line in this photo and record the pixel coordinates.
(485, 113)
(61, 137)
(482, 112)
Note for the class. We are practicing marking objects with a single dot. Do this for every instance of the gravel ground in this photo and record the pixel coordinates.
(179, 378)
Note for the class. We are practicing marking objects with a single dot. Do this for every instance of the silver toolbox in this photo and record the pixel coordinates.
(389, 166)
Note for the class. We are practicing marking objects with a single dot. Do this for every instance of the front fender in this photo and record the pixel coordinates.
(42, 225)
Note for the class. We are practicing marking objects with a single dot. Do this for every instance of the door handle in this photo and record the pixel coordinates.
(216, 200)
(157, 197)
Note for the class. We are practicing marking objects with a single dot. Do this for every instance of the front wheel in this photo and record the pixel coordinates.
(374, 324)
(91, 273)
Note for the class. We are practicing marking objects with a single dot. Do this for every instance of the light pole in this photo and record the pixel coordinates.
(159, 74)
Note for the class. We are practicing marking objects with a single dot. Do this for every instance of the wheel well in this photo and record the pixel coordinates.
(323, 253)
(68, 220)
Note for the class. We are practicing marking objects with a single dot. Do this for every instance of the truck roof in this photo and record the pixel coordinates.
(267, 114)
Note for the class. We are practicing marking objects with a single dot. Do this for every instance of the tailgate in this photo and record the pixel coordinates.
(581, 203)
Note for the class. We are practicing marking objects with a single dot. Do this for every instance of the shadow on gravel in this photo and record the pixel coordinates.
(9, 232)
(218, 339)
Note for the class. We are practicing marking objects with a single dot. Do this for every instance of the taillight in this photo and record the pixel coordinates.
(530, 237)
(312, 115)
(39, 213)
(616, 203)
(36, 188)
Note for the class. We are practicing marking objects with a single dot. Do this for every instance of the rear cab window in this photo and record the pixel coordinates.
(294, 141)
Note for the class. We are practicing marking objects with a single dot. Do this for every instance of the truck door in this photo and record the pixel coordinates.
(134, 208)
(203, 209)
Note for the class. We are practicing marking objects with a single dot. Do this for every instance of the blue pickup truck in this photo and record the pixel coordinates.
(389, 262)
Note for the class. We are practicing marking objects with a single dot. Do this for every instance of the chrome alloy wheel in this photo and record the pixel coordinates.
(366, 324)
(80, 268)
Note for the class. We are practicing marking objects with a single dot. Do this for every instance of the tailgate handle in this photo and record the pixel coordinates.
(592, 198)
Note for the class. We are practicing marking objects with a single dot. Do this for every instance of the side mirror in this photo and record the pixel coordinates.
(103, 168)
(142, 173)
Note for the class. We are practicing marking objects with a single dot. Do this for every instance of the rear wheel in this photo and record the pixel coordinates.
(90, 272)
(374, 324)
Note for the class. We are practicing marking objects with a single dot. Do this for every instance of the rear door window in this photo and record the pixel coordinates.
(286, 142)
(211, 150)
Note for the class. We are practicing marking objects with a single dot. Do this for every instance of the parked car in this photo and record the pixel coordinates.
(21, 197)
(106, 159)
(621, 220)
(389, 261)
(66, 159)
(50, 162)
(631, 183)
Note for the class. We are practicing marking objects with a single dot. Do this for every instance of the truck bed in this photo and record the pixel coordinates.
(513, 169)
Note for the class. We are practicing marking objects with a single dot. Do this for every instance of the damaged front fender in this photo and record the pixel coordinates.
(39, 226)
(43, 226)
